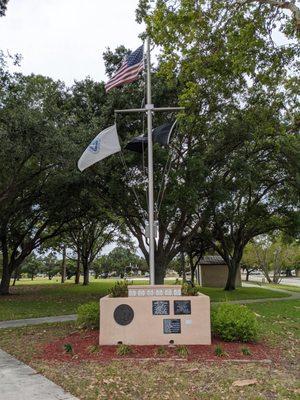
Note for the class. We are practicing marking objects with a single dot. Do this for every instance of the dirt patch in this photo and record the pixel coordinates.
(83, 346)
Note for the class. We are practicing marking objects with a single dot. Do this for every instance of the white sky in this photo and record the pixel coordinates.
(65, 39)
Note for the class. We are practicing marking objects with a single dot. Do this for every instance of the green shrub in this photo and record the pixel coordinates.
(161, 351)
(88, 315)
(182, 351)
(188, 290)
(93, 348)
(68, 348)
(120, 289)
(233, 322)
(246, 351)
(219, 351)
(123, 350)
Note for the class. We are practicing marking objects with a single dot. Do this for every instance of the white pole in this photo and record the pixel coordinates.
(149, 106)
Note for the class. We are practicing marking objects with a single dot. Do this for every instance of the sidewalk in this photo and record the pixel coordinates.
(20, 382)
(17, 323)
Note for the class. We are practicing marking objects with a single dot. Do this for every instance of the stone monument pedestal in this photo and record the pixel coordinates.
(155, 315)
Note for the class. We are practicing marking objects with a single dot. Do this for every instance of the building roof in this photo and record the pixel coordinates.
(212, 260)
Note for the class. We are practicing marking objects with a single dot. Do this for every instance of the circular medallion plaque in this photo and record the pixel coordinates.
(123, 314)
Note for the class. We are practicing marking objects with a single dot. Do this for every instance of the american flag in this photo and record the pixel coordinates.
(129, 70)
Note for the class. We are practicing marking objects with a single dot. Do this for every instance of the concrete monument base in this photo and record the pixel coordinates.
(155, 315)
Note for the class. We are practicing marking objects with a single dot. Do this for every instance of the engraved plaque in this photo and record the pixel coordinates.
(182, 307)
(172, 326)
(123, 314)
(160, 307)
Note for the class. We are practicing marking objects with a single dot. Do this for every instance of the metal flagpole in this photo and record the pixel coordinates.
(149, 107)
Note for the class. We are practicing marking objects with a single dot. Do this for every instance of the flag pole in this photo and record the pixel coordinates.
(149, 107)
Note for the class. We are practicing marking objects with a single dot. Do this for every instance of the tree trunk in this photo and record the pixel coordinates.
(16, 276)
(5, 281)
(159, 275)
(160, 271)
(86, 271)
(193, 268)
(182, 260)
(6, 273)
(193, 274)
(233, 267)
(77, 276)
(247, 275)
(63, 264)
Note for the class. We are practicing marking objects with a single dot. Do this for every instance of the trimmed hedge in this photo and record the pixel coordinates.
(234, 322)
(88, 315)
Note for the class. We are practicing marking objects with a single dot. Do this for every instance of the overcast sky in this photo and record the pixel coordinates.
(65, 39)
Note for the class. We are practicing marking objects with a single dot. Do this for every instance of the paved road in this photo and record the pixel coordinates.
(20, 382)
(284, 281)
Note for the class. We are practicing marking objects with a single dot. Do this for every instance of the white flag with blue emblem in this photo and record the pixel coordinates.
(104, 144)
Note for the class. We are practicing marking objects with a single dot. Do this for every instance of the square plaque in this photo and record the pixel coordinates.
(182, 307)
(172, 326)
(160, 307)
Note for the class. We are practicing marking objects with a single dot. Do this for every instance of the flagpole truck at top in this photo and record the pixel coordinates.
(149, 109)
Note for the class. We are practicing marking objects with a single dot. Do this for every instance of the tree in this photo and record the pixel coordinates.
(32, 266)
(102, 265)
(239, 113)
(249, 260)
(90, 234)
(121, 259)
(70, 269)
(274, 255)
(281, 4)
(37, 173)
(3, 6)
(50, 265)
(195, 250)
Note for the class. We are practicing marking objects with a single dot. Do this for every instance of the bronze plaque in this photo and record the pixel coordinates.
(160, 307)
(123, 314)
(172, 326)
(182, 307)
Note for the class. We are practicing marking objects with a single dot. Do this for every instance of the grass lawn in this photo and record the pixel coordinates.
(40, 299)
(126, 380)
(243, 293)
(284, 287)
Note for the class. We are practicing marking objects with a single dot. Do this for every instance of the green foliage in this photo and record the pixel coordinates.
(246, 351)
(161, 350)
(182, 351)
(68, 348)
(94, 348)
(219, 351)
(50, 265)
(32, 266)
(3, 5)
(188, 290)
(123, 350)
(120, 289)
(120, 259)
(233, 322)
(88, 315)
(231, 126)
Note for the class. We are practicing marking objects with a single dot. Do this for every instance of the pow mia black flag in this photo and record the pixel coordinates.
(161, 135)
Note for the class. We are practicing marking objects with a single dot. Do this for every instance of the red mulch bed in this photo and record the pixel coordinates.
(83, 344)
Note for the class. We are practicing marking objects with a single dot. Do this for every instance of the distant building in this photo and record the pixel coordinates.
(212, 271)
